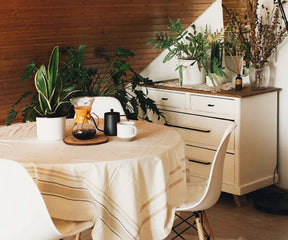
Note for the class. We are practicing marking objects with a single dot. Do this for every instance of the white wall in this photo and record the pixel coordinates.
(279, 78)
(158, 71)
(281, 81)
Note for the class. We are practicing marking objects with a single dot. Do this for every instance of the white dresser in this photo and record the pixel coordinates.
(201, 119)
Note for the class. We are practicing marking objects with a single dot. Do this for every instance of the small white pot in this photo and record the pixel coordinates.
(191, 74)
(51, 129)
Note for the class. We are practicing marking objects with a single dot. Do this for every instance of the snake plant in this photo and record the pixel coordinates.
(52, 98)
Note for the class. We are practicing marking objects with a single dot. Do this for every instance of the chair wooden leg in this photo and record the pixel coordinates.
(199, 227)
(207, 225)
(77, 237)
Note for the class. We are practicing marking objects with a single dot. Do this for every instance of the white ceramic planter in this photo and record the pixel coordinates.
(191, 74)
(51, 129)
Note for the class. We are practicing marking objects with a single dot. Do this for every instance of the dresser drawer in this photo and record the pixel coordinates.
(200, 131)
(199, 163)
(168, 99)
(221, 107)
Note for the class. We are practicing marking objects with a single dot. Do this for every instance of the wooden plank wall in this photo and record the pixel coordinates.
(30, 30)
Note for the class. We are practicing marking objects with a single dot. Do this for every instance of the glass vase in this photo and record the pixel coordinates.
(259, 75)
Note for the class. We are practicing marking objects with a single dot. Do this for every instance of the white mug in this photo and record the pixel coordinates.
(126, 130)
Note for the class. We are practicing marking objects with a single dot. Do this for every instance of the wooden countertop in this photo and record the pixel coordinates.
(245, 92)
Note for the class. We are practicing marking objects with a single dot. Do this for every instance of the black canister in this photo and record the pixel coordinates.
(110, 123)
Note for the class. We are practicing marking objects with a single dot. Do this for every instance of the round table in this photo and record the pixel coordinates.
(130, 189)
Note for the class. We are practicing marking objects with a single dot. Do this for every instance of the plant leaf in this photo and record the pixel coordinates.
(53, 70)
(121, 52)
(31, 67)
(40, 81)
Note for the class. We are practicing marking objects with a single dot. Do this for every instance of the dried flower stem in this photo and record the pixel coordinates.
(266, 31)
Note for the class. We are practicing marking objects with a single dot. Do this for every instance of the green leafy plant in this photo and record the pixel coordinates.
(72, 77)
(204, 48)
(117, 78)
(181, 43)
(214, 65)
(51, 98)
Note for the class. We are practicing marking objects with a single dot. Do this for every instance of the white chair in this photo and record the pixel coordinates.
(105, 104)
(204, 193)
(23, 213)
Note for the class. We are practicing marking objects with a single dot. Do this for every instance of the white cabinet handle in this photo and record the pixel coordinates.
(164, 98)
(210, 105)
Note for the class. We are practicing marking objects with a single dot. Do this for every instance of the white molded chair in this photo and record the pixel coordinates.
(204, 193)
(105, 104)
(23, 213)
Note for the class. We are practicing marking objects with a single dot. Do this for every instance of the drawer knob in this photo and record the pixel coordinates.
(164, 98)
(210, 105)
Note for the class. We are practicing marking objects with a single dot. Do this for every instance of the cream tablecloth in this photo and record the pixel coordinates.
(130, 189)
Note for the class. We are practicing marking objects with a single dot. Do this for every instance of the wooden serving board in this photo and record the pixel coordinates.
(98, 139)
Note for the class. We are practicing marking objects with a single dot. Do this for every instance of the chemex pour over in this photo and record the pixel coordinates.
(84, 127)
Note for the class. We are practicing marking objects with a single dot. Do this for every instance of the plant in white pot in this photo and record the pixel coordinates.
(51, 101)
(51, 117)
(215, 71)
(190, 47)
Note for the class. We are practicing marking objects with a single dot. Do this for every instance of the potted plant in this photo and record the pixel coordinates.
(50, 103)
(117, 79)
(215, 74)
(190, 47)
(53, 101)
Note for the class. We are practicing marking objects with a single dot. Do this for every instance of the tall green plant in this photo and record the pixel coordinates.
(117, 78)
(192, 45)
(51, 98)
(214, 64)
(182, 44)
(56, 86)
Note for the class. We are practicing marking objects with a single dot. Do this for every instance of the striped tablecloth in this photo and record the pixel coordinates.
(129, 189)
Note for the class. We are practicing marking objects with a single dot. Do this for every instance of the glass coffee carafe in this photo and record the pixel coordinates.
(84, 127)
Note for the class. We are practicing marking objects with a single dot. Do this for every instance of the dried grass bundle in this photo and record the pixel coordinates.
(261, 31)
